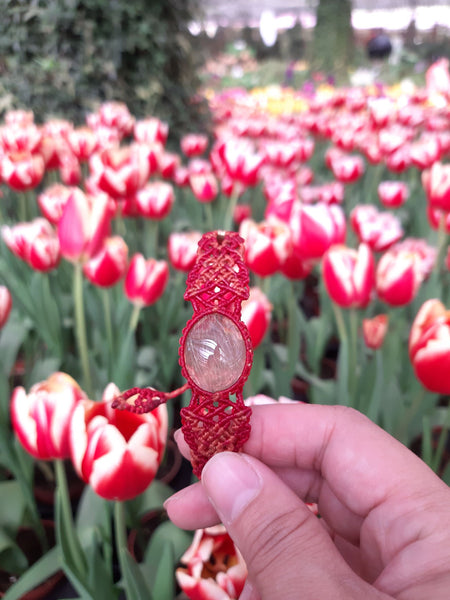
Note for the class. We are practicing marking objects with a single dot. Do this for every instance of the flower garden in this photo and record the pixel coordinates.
(342, 198)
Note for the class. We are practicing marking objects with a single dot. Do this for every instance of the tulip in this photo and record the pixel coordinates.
(41, 418)
(34, 242)
(267, 245)
(108, 266)
(18, 139)
(193, 144)
(22, 171)
(349, 275)
(347, 168)
(182, 249)
(114, 115)
(436, 182)
(204, 186)
(316, 227)
(83, 142)
(121, 172)
(241, 212)
(213, 567)
(151, 130)
(84, 224)
(256, 314)
(5, 304)
(19, 117)
(393, 194)
(429, 346)
(399, 275)
(241, 161)
(53, 200)
(438, 218)
(146, 280)
(425, 152)
(155, 200)
(374, 331)
(376, 229)
(117, 452)
(70, 169)
(168, 163)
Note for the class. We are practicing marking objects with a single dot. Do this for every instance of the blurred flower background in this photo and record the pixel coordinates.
(126, 133)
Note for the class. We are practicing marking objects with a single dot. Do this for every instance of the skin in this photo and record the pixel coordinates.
(385, 526)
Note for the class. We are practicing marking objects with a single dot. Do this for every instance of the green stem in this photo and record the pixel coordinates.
(442, 244)
(23, 210)
(134, 319)
(228, 221)
(67, 518)
(353, 351)
(409, 416)
(108, 326)
(342, 331)
(120, 531)
(151, 237)
(80, 328)
(437, 458)
(209, 215)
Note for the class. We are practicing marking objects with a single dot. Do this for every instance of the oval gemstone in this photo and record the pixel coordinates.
(214, 352)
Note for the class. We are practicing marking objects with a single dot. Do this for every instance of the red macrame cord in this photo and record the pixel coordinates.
(215, 420)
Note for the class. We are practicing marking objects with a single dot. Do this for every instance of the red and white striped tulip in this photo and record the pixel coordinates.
(213, 568)
(374, 331)
(349, 275)
(117, 452)
(5, 304)
(256, 314)
(145, 280)
(155, 200)
(429, 346)
(393, 194)
(267, 245)
(182, 249)
(41, 418)
(22, 171)
(35, 242)
(316, 227)
(108, 266)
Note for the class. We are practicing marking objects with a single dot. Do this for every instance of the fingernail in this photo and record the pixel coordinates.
(231, 483)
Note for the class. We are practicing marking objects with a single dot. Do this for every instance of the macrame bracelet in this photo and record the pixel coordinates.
(215, 353)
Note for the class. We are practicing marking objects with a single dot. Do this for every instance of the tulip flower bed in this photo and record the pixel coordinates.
(342, 198)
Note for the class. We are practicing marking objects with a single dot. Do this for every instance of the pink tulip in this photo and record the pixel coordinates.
(22, 171)
(349, 275)
(316, 227)
(53, 200)
(193, 144)
(117, 452)
(155, 200)
(151, 130)
(212, 567)
(267, 245)
(374, 331)
(146, 280)
(204, 186)
(393, 194)
(113, 115)
(379, 230)
(84, 224)
(436, 182)
(35, 242)
(41, 418)
(109, 264)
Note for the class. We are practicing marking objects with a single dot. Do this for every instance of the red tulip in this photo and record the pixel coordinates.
(117, 452)
(108, 266)
(425, 152)
(316, 227)
(17, 138)
(241, 160)
(347, 168)
(155, 200)
(22, 171)
(84, 224)
(429, 346)
(182, 249)
(436, 182)
(114, 115)
(241, 212)
(213, 567)
(41, 418)
(393, 194)
(349, 275)
(374, 331)
(267, 245)
(35, 242)
(146, 280)
(379, 230)
(5, 304)
(83, 142)
(193, 144)
(256, 314)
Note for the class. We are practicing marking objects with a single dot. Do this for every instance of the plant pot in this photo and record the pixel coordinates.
(29, 543)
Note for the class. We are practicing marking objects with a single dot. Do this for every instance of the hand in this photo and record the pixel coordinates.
(384, 530)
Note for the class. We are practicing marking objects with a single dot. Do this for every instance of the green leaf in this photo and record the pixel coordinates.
(134, 582)
(41, 570)
(12, 558)
(13, 502)
(152, 498)
(11, 338)
(164, 581)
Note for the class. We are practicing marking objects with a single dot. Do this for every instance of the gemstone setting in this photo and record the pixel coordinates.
(214, 352)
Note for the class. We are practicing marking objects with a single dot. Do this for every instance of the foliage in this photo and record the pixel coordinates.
(64, 57)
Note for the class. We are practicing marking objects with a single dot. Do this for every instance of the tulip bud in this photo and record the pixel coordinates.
(5, 304)
(108, 266)
(349, 275)
(146, 280)
(374, 331)
(429, 346)
(182, 249)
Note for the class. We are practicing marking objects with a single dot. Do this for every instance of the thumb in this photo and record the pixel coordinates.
(283, 544)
